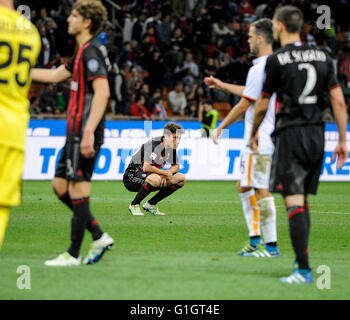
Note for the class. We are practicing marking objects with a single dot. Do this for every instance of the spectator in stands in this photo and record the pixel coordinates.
(176, 99)
(220, 32)
(44, 19)
(159, 109)
(134, 84)
(138, 109)
(177, 40)
(47, 101)
(51, 37)
(245, 8)
(44, 56)
(166, 30)
(139, 27)
(129, 22)
(119, 94)
(62, 98)
(145, 91)
(156, 70)
(208, 116)
(56, 62)
(127, 54)
(34, 106)
(192, 110)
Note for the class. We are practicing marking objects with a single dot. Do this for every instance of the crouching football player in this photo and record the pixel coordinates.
(145, 174)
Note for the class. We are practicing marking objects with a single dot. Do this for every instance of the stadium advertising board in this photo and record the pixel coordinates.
(200, 158)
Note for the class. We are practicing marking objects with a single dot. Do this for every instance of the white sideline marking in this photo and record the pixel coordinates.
(332, 212)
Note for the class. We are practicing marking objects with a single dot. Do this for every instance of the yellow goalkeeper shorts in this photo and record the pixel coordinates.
(11, 167)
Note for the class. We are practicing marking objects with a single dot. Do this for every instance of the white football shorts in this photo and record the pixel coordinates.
(255, 170)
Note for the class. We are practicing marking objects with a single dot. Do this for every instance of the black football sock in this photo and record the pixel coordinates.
(163, 193)
(144, 191)
(94, 227)
(65, 198)
(80, 219)
(299, 233)
(307, 211)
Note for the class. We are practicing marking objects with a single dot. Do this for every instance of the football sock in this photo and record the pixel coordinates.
(299, 233)
(307, 211)
(144, 191)
(4, 218)
(80, 219)
(163, 193)
(268, 220)
(251, 212)
(92, 225)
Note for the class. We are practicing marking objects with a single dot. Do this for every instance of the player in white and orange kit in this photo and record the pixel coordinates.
(257, 202)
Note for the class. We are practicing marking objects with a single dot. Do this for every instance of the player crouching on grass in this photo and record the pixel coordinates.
(144, 173)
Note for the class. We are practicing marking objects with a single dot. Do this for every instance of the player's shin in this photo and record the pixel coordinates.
(144, 191)
(268, 220)
(252, 215)
(299, 233)
(163, 193)
(80, 219)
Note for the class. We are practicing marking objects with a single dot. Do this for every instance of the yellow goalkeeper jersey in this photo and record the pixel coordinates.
(20, 45)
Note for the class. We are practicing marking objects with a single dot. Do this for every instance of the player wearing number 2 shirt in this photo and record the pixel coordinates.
(300, 74)
(19, 49)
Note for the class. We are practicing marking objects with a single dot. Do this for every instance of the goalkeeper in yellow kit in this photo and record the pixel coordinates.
(19, 48)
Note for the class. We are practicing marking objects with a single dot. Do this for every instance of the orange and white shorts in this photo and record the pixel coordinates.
(255, 170)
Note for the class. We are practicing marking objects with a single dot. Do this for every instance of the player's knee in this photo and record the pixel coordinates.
(262, 194)
(181, 179)
(154, 180)
(242, 189)
(59, 187)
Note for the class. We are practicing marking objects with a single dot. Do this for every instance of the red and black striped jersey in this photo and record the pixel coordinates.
(90, 62)
(301, 75)
(154, 153)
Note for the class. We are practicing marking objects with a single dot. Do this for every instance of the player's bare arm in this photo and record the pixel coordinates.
(340, 113)
(239, 109)
(261, 106)
(175, 168)
(98, 107)
(52, 76)
(147, 167)
(213, 82)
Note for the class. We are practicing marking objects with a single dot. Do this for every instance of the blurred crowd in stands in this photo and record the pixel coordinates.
(161, 50)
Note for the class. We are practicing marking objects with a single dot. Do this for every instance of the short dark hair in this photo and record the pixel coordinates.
(172, 127)
(263, 27)
(291, 17)
(94, 10)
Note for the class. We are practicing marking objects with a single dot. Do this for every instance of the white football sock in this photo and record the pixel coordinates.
(251, 212)
(268, 219)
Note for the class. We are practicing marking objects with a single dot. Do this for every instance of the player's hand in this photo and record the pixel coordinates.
(215, 135)
(340, 154)
(168, 175)
(213, 82)
(163, 181)
(253, 142)
(87, 144)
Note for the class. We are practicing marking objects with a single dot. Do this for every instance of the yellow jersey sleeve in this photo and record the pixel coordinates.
(20, 46)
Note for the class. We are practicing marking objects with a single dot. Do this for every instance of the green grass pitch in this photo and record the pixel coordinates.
(188, 254)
